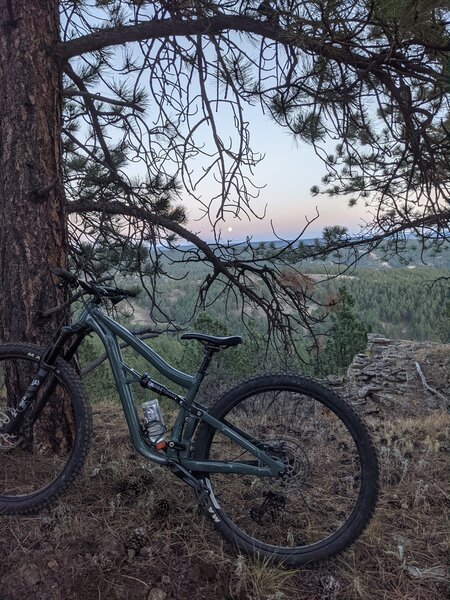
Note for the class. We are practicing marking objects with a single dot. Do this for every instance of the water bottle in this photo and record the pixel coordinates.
(154, 424)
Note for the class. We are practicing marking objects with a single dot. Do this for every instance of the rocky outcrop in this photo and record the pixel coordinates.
(407, 377)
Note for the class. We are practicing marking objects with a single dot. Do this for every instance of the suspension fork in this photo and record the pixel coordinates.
(45, 368)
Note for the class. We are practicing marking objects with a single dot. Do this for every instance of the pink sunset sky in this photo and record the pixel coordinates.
(288, 172)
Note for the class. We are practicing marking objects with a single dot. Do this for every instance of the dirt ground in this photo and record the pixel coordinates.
(127, 530)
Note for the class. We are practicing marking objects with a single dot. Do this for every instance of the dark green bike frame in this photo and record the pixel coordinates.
(191, 413)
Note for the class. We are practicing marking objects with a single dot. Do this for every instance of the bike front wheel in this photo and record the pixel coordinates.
(42, 456)
(327, 492)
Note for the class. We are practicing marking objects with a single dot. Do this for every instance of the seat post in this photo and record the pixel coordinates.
(209, 351)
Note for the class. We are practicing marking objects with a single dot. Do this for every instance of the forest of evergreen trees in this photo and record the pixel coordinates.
(408, 303)
(401, 301)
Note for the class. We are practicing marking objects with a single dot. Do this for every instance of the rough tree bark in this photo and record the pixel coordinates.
(33, 232)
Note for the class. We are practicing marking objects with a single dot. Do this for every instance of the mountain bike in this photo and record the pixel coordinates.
(283, 466)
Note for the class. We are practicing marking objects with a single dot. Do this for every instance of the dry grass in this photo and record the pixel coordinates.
(127, 528)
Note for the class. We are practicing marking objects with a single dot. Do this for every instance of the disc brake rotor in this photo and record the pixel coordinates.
(296, 465)
(294, 476)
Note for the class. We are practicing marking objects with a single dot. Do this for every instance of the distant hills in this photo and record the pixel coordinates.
(384, 257)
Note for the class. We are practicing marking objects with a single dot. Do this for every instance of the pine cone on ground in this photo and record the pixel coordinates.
(136, 540)
(162, 509)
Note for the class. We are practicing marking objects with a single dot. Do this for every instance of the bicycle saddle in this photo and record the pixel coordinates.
(213, 340)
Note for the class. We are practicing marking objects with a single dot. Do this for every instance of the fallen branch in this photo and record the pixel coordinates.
(427, 387)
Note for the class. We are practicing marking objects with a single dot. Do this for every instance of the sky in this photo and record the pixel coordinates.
(286, 175)
(288, 172)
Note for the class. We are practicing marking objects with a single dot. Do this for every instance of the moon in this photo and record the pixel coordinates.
(230, 229)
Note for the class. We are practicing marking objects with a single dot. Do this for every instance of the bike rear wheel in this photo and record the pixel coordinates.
(40, 459)
(327, 492)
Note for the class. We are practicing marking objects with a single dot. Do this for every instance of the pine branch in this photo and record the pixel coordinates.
(219, 24)
(237, 276)
(163, 28)
(95, 124)
(101, 98)
(440, 221)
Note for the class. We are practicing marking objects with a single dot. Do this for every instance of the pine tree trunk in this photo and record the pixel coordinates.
(32, 221)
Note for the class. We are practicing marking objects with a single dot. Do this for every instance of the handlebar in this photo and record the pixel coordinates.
(94, 288)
